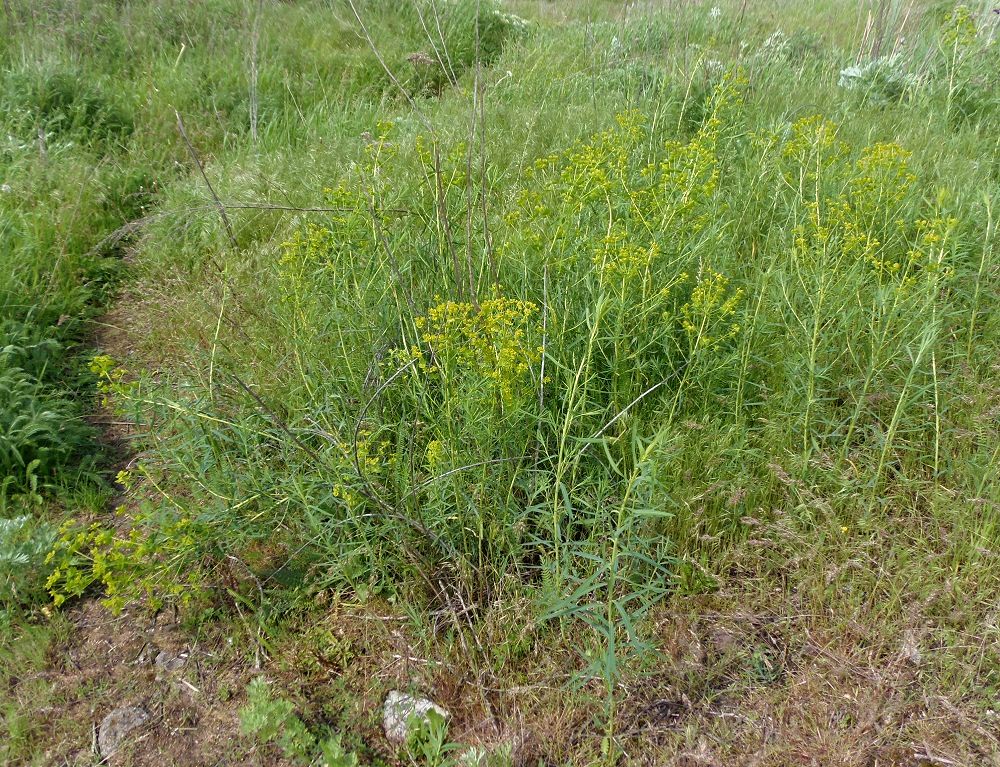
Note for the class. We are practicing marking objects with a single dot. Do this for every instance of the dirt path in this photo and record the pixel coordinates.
(187, 681)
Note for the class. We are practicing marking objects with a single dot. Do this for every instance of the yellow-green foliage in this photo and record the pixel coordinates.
(708, 317)
(149, 565)
(497, 342)
(111, 380)
(959, 29)
(860, 208)
(608, 322)
(375, 462)
(494, 347)
(648, 210)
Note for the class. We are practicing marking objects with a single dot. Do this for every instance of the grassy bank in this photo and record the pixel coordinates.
(640, 361)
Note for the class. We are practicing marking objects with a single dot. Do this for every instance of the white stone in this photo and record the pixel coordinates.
(117, 725)
(400, 709)
(166, 663)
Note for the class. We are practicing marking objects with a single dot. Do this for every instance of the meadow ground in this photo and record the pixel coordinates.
(621, 377)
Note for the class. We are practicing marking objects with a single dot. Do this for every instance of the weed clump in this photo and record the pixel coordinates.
(585, 326)
(497, 342)
(64, 105)
(271, 719)
(41, 431)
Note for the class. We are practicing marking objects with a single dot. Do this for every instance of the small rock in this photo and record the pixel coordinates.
(145, 655)
(910, 650)
(117, 725)
(724, 641)
(166, 663)
(399, 709)
(6, 188)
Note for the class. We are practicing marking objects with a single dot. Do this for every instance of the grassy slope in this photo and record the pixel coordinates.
(822, 598)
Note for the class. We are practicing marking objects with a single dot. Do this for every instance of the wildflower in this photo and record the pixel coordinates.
(775, 46)
(715, 13)
(498, 343)
(708, 317)
(959, 28)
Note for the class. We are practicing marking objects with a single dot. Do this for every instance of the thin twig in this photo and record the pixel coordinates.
(211, 190)
(276, 419)
(434, 47)
(444, 44)
(254, 46)
(395, 81)
(136, 224)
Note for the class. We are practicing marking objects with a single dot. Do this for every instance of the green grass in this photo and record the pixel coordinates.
(607, 313)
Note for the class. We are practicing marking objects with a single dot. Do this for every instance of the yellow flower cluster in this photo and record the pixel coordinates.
(604, 190)
(111, 383)
(959, 29)
(437, 456)
(591, 169)
(814, 151)
(708, 317)
(928, 251)
(306, 248)
(307, 253)
(496, 342)
(623, 259)
(374, 458)
(860, 211)
(379, 148)
(881, 182)
(685, 179)
(871, 211)
(127, 566)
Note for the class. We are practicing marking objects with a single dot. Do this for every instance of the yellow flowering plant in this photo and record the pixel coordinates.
(709, 316)
(151, 564)
(494, 346)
